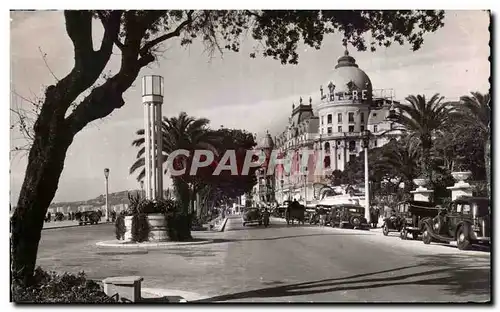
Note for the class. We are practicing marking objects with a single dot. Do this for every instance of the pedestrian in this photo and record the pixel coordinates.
(372, 216)
(377, 216)
(322, 217)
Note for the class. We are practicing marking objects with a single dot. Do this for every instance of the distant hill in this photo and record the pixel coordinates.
(113, 199)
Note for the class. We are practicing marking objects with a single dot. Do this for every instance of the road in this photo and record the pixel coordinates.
(283, 264)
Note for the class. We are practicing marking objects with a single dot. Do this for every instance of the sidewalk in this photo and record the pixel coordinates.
(59, 224)
(64, 224)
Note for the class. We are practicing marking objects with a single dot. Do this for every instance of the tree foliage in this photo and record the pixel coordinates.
(457, 134)
(422, 120)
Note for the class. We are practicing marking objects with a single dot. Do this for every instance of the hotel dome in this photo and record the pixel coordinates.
(347, 77)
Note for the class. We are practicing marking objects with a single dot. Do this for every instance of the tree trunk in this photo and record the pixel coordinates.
(45, 165)
(182, 191)
(198, 205)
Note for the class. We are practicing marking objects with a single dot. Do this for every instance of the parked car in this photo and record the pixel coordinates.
(467, 221)
(87, 217)
(279, 212)
(348, 216)
(398, 218)
(314, 217)
(252, 215)
(413, 214)
(321, 211)
(309, 214)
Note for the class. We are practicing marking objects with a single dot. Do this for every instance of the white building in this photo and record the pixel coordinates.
(335, 124)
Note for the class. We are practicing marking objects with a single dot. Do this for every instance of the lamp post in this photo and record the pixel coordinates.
(366, 145)
(305, 185)
(282, 194)
(106, 175)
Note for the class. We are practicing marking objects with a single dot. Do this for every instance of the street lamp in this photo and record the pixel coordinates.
(106, 175)
(366, 145)
(282, 194)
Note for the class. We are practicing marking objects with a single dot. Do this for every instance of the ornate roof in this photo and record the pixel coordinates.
(348, 77)
(266, 142)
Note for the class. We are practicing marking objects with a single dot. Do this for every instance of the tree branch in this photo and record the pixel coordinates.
(46, 64)
(150, 44)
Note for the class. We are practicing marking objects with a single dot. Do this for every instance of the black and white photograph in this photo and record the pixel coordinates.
(244, 155)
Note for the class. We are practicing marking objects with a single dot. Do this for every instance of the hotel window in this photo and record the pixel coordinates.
(362, 128)
(339, 117)
(351, 117)
(326, 162)
(322, 120)
(327, 147)
(375, 128)
(339, 156)
(362, 117)
(329, 130)
(352, 146)
(351, 128)
(339, 129)
(329, 118)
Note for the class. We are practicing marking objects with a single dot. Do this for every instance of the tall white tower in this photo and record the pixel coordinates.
(152, 98)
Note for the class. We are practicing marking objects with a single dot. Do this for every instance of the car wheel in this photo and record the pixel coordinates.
(414, 235)
(260, 222)
(463, 240)
(426, 237)
(385, 229)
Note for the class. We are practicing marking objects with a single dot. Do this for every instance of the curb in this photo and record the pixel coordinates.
(152, 244)
(185, 295)
(73, 225)
(223, 225)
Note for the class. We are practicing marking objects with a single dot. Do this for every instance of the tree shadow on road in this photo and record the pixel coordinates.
(458, 275)
(233, 240)
(252, 227)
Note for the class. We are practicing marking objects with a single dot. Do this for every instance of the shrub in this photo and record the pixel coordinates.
(140, 228)
(50, 287)
(178, 226)
(178, 223)
(120, 227)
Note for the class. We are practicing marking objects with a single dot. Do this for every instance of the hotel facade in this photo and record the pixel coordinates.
(334, 126)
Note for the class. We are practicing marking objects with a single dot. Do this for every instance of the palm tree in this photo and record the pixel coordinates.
(182, 132)
(422, 120)
(476, 110)
(399, 158)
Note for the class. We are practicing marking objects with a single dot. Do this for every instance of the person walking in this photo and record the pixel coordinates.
(322, 217)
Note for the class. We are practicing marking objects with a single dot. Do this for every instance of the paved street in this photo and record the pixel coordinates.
(282, 263)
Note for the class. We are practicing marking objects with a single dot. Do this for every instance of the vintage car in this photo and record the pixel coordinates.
(348, 216)
(321, 210)
(88, 217)
(467, 221)
(279, 212)
(309, 214)
(252, 215)
(398, 218)
(413, 214)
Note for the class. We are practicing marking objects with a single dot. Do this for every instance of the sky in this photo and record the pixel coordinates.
(233, 90)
